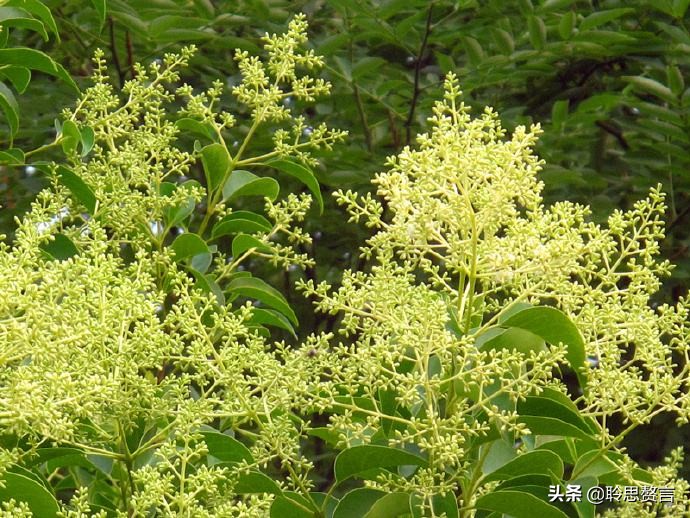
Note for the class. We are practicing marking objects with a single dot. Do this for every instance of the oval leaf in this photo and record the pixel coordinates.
(553, 326)
(518, 504)
(36, 496)
(539, 462)
(244, 242)
(241, 221)
(36, 60)
(304, 175)
(216, 163)
(188, 245)
(354, 460)
(254, 288)
(8, 104)
(244, 183)
(226, 448)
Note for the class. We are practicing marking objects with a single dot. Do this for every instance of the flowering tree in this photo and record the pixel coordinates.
(479, 360)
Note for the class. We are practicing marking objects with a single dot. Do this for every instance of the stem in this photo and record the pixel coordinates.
(417, 73)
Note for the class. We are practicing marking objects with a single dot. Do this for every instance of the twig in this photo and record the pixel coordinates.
(113, 50)
(417, 72)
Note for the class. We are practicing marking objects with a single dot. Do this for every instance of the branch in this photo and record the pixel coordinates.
(417, 72)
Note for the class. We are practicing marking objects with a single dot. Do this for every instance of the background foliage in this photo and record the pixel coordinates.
(606, 79)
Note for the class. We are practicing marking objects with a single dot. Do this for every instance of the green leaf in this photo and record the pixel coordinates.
(18, 76)
(70, 137)
(244, 183)
(540, 425)
(512, 338)
(41, 503)
(387, 506)
(36, 60)
(518, 504)
(195, 127)
(559, 112)
(174, 215)
(537, 32)
(504, 41)
(475, 53)
(357, 502)
(357, 459)
(566, 25)
(241, 221)
(188, 245)
(60, 248)
(601, 17)
(226, 448)
(679, 8)
(539, 462)
(254, 288)
(303, 174)
(653, 87)
(216, 163)
(291, 505)
(553, 326)
(40, 11)
(13, 17)
(546, 407)
(87, 140)
(100, 6)
(79, 189)
(244, 242)
(256, 482)
(674, 79)
(594, 464)
(271, 318)
(12, 156)
(208, 285)
(8, 104)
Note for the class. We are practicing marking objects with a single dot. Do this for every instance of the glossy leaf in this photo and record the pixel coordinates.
(533, 462)
(188, 245)
(244, 242)
(553, 326)
(60, 248)
(271, 318)
(387, 506)
(518, 504)
(39, 10)
(357, 459)
(207, 284)
(22, 489)
(357, 503)
(71, 137)
(241, 221)
(540, 425)
(79, 189)
(100, 6)
(9, 106)
(537, 32)
(18, 76)
(195, 127)
(303, 174)
(254, 288)
(36, 60)
(14, 17)
(177, 214)
(244, 183)
(216, 163)
(601, 17)
(653, 87)
(256, 482)
(226, 448)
